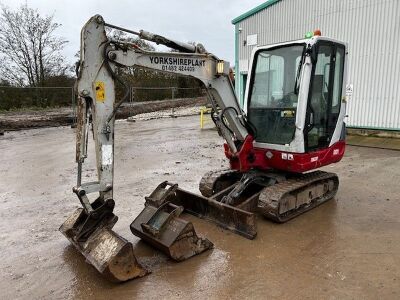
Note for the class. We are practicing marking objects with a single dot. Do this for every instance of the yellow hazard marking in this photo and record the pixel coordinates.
(203, 110)
(100, 91)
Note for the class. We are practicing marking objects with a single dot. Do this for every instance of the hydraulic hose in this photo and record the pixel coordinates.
(245, 123)
(115, 76)
(223, 120)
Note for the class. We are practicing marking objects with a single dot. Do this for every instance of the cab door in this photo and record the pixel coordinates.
(324, 99)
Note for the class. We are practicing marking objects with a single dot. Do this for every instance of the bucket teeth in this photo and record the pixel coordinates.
(108, 252)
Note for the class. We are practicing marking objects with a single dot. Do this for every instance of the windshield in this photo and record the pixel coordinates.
(272, 99)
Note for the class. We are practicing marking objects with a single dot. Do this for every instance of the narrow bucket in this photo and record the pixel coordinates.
(108, 252)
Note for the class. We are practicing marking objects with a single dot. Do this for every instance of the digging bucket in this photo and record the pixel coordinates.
(159, 225)
(162, 228)
(108, 252)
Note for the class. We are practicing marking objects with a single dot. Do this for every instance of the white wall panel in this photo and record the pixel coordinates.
(372, 29)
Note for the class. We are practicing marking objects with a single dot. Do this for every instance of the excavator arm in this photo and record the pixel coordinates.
(100, 57)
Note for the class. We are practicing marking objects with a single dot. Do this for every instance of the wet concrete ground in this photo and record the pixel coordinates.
(348, 248)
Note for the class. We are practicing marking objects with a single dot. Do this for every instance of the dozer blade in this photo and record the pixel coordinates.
(162, 228)
(229, 217)
(108, 252)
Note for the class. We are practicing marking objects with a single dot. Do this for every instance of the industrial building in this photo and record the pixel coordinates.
(370, 27)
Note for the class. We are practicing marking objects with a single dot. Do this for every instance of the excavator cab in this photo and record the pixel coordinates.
(298, 116)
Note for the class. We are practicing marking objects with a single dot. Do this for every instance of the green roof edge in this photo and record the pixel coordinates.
(254, 11)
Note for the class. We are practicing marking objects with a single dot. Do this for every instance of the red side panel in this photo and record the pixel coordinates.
(249, 157)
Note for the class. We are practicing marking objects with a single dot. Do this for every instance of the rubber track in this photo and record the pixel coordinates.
(268, 202)
(209, 179)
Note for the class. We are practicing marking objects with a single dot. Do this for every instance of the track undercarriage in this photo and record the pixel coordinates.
(277, 196)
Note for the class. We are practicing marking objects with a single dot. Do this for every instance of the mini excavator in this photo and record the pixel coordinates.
(291, 124)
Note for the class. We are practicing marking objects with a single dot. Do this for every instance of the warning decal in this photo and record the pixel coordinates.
(100, 92)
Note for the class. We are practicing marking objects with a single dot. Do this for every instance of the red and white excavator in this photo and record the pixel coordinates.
(292, 123)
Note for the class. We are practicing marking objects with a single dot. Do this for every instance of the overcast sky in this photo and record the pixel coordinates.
(204, 21)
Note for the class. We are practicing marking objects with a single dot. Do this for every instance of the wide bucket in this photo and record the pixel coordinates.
(163, 229)
(108, 252)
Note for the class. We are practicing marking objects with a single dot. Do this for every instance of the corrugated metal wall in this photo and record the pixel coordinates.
(372, 29)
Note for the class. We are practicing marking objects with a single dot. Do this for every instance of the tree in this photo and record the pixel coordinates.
(30, 53)
(120, 35)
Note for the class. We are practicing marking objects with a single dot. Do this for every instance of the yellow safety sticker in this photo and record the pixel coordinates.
(100, 92)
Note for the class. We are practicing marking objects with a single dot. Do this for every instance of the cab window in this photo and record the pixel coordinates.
(272, 98)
